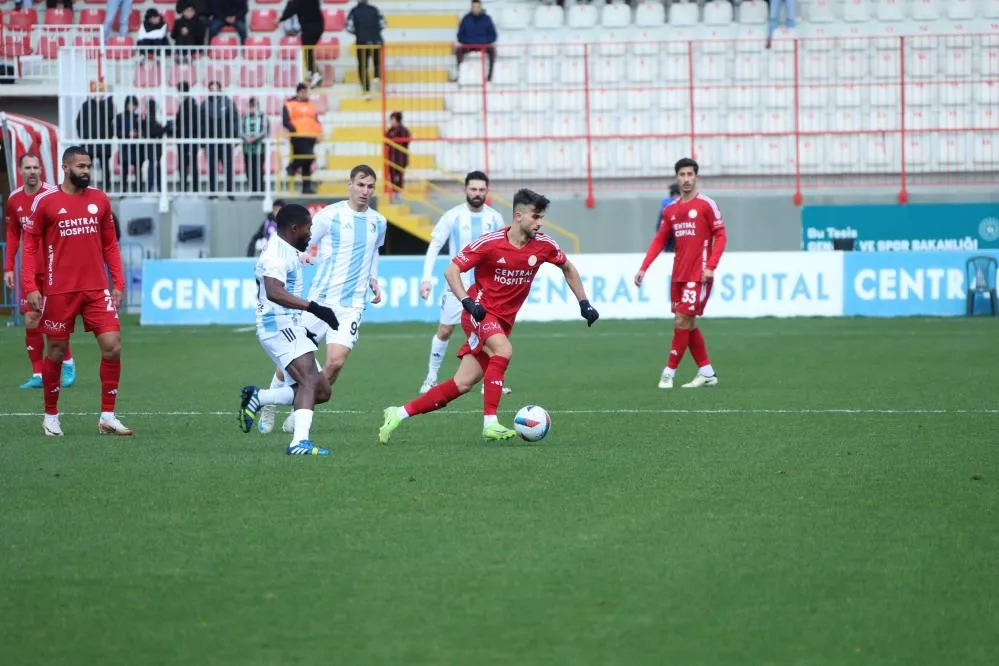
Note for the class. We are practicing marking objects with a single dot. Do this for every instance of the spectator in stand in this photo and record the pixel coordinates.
(267, 228)
(228, 14)
(397, 152)
(477, 34)
(152, 150)
(95, 121)
(220, 124)
(121, 9)
(128, 129)
(202, 9)
(254, 148)
(187, 129)
(153, 33)
(51, 4)
(188, 29)
(789, 11)
(365, 22)
(301, 118)
(310, 24)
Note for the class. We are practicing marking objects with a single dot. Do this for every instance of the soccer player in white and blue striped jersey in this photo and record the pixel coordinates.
(345, 241)
(457, 228)
(282, 335)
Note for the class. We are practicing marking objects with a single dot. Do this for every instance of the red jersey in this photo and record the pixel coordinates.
(699, 233)
(16, 214)
(75, 233)
(504, 272)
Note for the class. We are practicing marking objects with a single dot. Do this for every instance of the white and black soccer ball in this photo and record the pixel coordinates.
(532, 423)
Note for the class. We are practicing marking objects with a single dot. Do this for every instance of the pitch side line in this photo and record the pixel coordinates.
(793, 412)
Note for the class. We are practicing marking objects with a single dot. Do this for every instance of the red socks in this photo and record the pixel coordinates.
(697, 348)
(110, 374)
(493, 384)
(433, 399)
(681, 338)
(34, 342)
(51, 372)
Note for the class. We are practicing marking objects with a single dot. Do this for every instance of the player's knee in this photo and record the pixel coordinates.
(464, 384)
(56, 349)
(111, 351)
(684, 321)
(333, 365)
(322, 390)
(504, 349)
(444, 332)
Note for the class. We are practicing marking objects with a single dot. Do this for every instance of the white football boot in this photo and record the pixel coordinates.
(289, 424)
(700, 380)
(666, 379)
(506, 390)
(265, 420)
(428, 383)
(110, 425)
(51, 427)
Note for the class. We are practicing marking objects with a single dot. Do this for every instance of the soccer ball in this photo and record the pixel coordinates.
(532, 423)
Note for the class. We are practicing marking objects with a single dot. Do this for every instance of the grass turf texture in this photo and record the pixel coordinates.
(651, 537)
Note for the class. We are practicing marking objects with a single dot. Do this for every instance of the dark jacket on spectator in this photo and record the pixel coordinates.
(365, 22)
(188, 120)
(476, 29)
(201, 7)
(195, 31)
(224, 8)
(96, 119)
(219, 118)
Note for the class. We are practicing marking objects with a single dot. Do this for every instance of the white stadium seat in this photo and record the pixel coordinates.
(753, 12)
(987, 93)
(650, 15)
(813, 97)
(777, 122)
(880, 152)
(617, 15)
(856, 11)
(547, 17)
(990, 8)
(514, 17)
(612, 42)
(638, 100)
(541, 72)
(925, 10)
(744, 97)
(718, 12)
(821, 11)
(602, 99)
(886, 65)
(988, 64)
(606, 69)
(891, 10)
(642, 70)
(985, 151)
(885, 95)
(957, 63)
(816, 66)
(960, 9)
(630, 157)
(568, 125)
(635, 124)
(813, 121)
(921, 65)
(917, 153)
(498, 160)
(951, 150)
(582, 16)
(683, 14)
(743, 122)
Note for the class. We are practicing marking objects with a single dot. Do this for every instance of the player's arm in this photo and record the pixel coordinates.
(13, 226)
(321, 223)
(277, 294)
(655, 248)
(465, 260)
(438, 237)
(575, 282)
(112, 256)
(718, 241)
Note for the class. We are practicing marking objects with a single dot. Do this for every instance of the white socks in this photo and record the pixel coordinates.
(303, 423)
(107, 416)
(438, 348)
(488, 420)
(275, 382)
(668, 372)
(707, 370)
(276, 396)
(403, 414)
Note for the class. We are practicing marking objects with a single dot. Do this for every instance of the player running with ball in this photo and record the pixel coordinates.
(505, 264)
(696, 225)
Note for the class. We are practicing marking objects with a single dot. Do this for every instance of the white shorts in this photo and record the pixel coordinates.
(450, 309)
(346, 335)
(285, 346)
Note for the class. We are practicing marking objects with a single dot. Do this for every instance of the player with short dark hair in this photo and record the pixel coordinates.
(457, 228)
(505, 264)
(70, 237)
(17, 211)
(695, 224)
(282, 335)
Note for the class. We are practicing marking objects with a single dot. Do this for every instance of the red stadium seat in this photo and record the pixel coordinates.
(23, 19)
(257, 48)
(277, 127)
(321, 102)
(92, 17)
(285, 76)
(169, 17)
(15, 44)
(290, 48)
(270, 2)
(171, 161)
(48, 46)
(334, 20)
(238, 165)
(163, 2)
(58, 17)
(328, 48)
(224, 47)
(264, 20)
(220, 73)
(335, 2)
(180, 73)
(252, 76)
(134, 22)
(274, 105)
(147, 76)
(121, 48)
(96, 2)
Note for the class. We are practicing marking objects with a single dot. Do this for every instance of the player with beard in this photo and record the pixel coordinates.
(70, 239)
(282, 335)
(506, 262)
(18, 209)
(457, 228)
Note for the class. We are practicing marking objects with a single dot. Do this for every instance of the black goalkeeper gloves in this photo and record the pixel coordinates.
(477, 310)
(324, 313)
(588, 312)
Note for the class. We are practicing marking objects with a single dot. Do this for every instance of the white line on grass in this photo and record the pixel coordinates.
(735, 411)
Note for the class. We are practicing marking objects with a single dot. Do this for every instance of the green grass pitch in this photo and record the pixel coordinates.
(833, 501)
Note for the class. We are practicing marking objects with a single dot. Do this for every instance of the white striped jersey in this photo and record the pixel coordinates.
(347, 260)
(280, 261)
(458, 227)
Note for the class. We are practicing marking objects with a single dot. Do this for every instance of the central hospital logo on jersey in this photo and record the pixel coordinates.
(511, 276)
(78, 226)
(685, 228)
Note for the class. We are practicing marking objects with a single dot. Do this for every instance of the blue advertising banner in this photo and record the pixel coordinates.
(893, 284)
(909, 228)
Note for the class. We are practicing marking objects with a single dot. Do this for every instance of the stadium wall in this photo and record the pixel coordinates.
(748, 284)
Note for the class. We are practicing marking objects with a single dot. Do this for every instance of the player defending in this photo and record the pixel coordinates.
(457, 227)
(345, 241)
(696, 227)
(70, 239)
(281, 334)
(18, 208)
(506, 262)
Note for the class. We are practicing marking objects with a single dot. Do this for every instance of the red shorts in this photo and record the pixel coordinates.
(689, 298)
(478, 332)
(60, 310)
(40, 285)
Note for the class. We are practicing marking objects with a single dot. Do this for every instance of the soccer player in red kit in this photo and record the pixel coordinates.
(505, 263)
(698, 231)
(70, 237)
(17, 210)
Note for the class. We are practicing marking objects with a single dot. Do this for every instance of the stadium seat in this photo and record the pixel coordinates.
(951, 150)
(257, 47)
(22, 19)
(742, 122)
(603, 124)
(856, 11)
(821, 11)
(616, 15)
(290, 48)
(744, 97)
(630, 157)
(146, 76)
(985, 150)
(273, 105)
(92, 16)
(917, 119)
(602, 99)
(606, 69)
(988, 63)
(548, 17)
(686, 14)
(514, 17)
(739, 154)
(890, 10)
(925, 10)
(285, 76)
(252, 76)
(224, 47)
(541, 72)
(57, 16)
(985, 118)
(880, 154)
(852, 67)
(650, 15)
(815, 66)
(747, 67)
(220, 73)
(123, 48)
(813, 121)
(497, 160)
(718, 13)
(178, 73)
(169, 18)
(848, 96)
(960, 9)
(990, 9)
(582, 16)
(334, 20)
(887, 95)
(883, 119)
(917, 153)
(264, 20)
(957, 63)
(753, 12)
(134, 22)
(328, 48)
(561, 158)
(49, 45)
(776, 155)
(921, 65)
(611, 42)
(987, 93)
(886, 65)
(813, 97)
(774, 122)
(642, 70)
